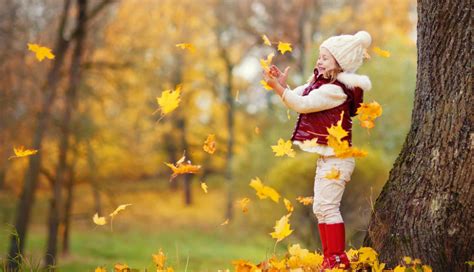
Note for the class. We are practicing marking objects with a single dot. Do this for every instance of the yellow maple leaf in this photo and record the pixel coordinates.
(265, 63)
(426, 268)
(266, 41)
(121, 268)
(333, 174)
(367, 255)
(288, 205)
(284, 47)
(99, 220)
(407, 259)
(22, 152)
(188, 46)
(382, 53)
(182, 168)
(100, 269)
(399, 268)
(169, 100)
(279, 265)
(244, 266)
(337, 131)
(367, 113)
(40, 51)
(264, 191)
(119, 208)
(282, 228)
(243, 203)
(283, 148)
(204, 187)
(159, 259)
(210, 144)
(308, 200)
(265, 85)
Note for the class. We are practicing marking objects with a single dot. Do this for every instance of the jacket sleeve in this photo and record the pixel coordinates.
(325, 97)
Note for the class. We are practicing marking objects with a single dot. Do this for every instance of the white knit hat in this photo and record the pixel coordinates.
(348, 50)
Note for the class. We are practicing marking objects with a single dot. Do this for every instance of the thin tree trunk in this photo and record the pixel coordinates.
(425, 209)
(26, 201)
(68, 207)
(93, 179)
(56, 207)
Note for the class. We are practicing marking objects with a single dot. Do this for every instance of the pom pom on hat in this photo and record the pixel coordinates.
(364, 38)
(348, 50)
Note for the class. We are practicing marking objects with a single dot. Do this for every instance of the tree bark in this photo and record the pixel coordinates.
(55, 215)
(425, 209)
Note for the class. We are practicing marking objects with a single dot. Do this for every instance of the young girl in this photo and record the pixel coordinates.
(334, 89)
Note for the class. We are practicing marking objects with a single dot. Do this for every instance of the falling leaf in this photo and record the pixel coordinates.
(210, 144)
(265, 85)
(22, 152)
(121, 268)
(225, 222)
(263, 191)
(283, 148)
(265, 63)
(382, 53)
(266, 41)
(119, 208)
(183, 168)
(367, 113)
(288, 205)
(257, 130)
(283, 47)
(337, 131)
(282, 228)
(308, 200)
(243, 203)
(169, 100)
(333, 174)
(204, 187)
(188, 46)
(99, 220)
(41, 51)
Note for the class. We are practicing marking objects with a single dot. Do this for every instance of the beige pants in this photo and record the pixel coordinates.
(328, 192)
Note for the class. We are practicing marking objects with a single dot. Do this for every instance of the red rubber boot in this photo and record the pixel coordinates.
(324, 244)
(336, 241)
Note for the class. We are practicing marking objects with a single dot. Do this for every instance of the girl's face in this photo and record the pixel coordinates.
(326, 62)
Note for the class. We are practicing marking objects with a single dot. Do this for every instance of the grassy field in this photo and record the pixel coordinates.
(192, 237)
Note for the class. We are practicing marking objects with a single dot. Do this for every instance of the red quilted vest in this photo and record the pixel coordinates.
(310, 124)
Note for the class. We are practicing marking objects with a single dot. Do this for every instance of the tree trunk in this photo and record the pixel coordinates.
(68, 208)
(425, 209)
(56, 207)
(17, 241)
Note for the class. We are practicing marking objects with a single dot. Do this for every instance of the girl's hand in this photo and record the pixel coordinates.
(279, 75)
(269, 77)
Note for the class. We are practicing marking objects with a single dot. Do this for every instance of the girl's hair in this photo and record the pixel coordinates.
(331, 74)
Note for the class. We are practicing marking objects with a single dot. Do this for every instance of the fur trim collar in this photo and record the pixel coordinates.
(352, 80)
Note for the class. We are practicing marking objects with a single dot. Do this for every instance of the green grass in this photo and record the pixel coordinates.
(186, 249)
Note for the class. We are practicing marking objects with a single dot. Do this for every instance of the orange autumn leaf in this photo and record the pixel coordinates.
(40, 51)
(337, 131)
(210, 144)
(333, 174)
(243, 203)
(187, 46)
(169, 100)
(282, 228)
(368, 112)
(308, 200)
(182, 167)
(284, 47)
(159, 259)
(244, 266)
(288, 205)
(121, 268)
(100, 269)
(283, 148)
(381, 52)
(22, 152)
(263, 191)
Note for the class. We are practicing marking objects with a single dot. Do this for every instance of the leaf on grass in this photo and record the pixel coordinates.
(159, 259)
